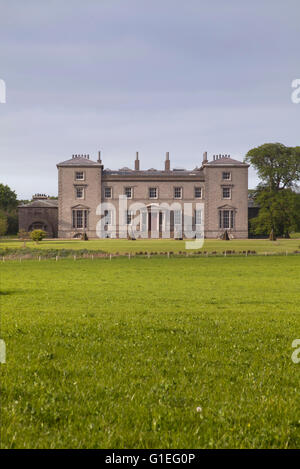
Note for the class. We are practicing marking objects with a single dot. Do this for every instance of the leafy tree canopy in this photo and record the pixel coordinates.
(8, 198)
(277, 166)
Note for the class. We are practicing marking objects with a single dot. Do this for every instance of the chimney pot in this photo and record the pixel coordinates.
(137, 162)
(167, 162)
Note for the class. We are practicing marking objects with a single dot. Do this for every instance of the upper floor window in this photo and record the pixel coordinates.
(79, 192)
(177, 192)
(198, 192)
(107, 192)
(153, 192)
(128, 192)
(226, 175)
(79, 175)
(79, 218)
(226, 192)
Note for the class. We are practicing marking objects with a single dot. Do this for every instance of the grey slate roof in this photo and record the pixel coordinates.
(226, 161)
(41, 203)
(79, 161)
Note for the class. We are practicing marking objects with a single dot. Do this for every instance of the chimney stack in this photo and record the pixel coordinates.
(99, 157)
(137, 162)
(167, 162)
(205, 160)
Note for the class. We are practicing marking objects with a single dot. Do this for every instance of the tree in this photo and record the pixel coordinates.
(38, 235)
(8, 198)
(279, 212)
(278, 167)
(24, 236)
(3, 223)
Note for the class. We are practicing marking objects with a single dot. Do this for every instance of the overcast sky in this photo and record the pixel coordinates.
(143, 75)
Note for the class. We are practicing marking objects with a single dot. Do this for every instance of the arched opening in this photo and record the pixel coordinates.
(40, 225)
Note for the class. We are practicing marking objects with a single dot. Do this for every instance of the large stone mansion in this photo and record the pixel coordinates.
(219, 186)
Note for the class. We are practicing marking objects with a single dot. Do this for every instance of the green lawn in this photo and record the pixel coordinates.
(119, 354)
(159, 245)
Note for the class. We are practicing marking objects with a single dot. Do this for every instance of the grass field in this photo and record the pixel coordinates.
(159, 245)
(119, 354)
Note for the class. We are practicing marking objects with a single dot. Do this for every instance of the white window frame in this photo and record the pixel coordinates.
(175, 189)
(106, 196)
(201, 192)
(156, 192)
(227, 189)
(79, 178)
(230, 221)
(76, 214)
(82, 192)
(131, 192)
(225, 178)
(198, 217)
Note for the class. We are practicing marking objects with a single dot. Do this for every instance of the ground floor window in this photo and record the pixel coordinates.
(79, 218)
(177, 217)
(128, 217)
(198, 217)
(226, 219)
(108, 217)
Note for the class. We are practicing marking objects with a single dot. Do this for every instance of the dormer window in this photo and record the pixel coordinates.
(79, 175)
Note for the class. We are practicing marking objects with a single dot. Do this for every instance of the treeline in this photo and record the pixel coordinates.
(277, 195)
(8, 211)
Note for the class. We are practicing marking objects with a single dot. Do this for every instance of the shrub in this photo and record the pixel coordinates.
(38, 235)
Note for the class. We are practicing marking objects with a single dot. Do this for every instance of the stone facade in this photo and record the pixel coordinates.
(221, 185)
(40, 213)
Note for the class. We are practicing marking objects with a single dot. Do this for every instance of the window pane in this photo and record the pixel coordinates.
(107, 192)
(177, 192)
(198, 192)
(128, 192)
(226, 219)
(177, 217)
(153, 193)
(226, 193)
(198, 217)
(79, 221)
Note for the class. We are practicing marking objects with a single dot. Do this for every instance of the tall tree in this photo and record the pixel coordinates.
(3, 223)
(8, 198)
(278, 167)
